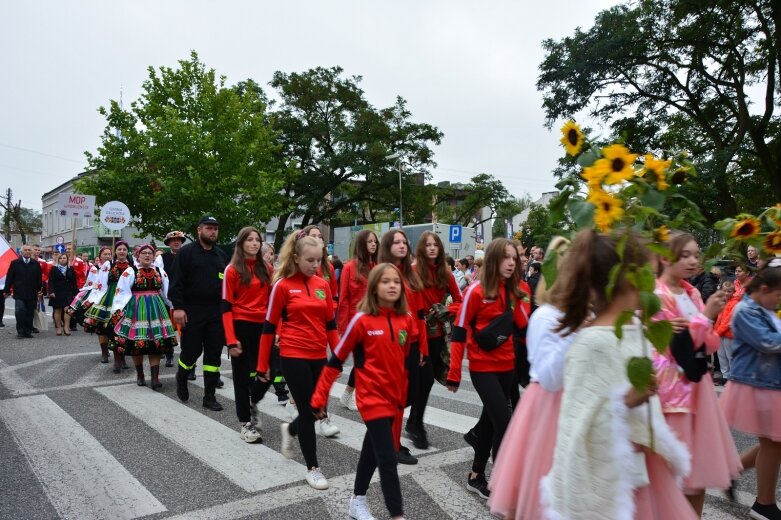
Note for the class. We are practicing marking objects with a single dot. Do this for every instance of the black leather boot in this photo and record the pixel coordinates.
(155, 371)
(182, 392)
(140, 381)
(210, 387)
(117, 364)
(104, 352)
(169, 358)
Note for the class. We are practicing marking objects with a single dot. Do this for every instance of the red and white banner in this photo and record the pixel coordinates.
(7, 255)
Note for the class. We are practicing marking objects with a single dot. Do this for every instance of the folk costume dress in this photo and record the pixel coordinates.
(692, 409)
(81, 297)
(140, 310)
(101, 298)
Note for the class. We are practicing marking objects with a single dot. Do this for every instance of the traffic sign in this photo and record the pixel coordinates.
(59, 248)
(455, 234)
(60, 240)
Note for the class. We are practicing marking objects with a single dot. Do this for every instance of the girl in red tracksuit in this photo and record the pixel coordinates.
(492, 370)
(245, 293)
(394, 249)
(301, 312)
(326, 270)
(379, 337)
(438, 283)
(352, 288)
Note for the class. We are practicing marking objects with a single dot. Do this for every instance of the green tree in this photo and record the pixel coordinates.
(189, 145)
(538, 230)
(462, 204)
(677, 75)
(24, 221)
(507, 210)
(335, 146)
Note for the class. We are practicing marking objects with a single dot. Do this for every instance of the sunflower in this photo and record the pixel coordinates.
(679, 177)
(745, 228)
(594, 176)
(656, 171)
(773, 243)
(662, 234)
(608, 209)
(616, 166)
(572, 137)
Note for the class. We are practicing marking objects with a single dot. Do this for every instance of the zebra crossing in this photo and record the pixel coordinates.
(79, 442)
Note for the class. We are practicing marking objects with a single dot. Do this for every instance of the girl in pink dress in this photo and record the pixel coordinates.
(691, 407)
(752, 398)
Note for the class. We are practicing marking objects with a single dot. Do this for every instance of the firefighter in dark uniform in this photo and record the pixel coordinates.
(196, 294)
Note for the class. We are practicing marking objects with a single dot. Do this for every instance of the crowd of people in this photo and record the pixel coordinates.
(569, 436)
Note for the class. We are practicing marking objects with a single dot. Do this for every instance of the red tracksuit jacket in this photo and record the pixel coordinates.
(242, 302)
(352, 287)
(333, 284)
(431, 295)
(380, 345)
(483, 311)
(305, 309)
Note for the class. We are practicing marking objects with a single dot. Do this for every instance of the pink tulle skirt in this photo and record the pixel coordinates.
(753, 410)
(526, 455)
(662, 499)
(715, 460)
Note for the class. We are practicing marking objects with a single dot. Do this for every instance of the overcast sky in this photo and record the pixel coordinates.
(467, 67)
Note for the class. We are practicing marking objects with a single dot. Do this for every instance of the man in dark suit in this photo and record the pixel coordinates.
(24, 278)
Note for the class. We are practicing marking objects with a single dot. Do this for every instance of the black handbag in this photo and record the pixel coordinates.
(498, 331)
(692, 360)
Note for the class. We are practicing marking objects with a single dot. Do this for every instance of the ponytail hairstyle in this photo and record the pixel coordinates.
(370, 304)
(238, 260)
(769, 276)
(676, 244)
(441, 276)
(325, 267)
(364, 259)
(294, 245)
(490, 279)
(585, 273)
(408, 274)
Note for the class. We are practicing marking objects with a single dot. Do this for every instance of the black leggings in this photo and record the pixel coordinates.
(494, 391)
(379, 450)
(301, 376)
(426, 381)
(351, 379)
(246, 387)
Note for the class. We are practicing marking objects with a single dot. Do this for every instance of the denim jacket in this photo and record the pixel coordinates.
(756, 355)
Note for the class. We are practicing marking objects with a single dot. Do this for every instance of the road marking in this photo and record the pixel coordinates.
(81, 478)
(13, 381)
(207, 440)
(47, 359)
(341, 487)
(351, 434)
(451, 496)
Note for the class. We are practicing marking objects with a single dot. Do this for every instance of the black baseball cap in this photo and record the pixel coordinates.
(208, 219)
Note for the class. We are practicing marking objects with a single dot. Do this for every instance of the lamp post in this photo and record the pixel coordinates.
(399, 163)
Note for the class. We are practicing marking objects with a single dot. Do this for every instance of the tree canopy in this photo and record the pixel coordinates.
(16, 218)
(457, 204)
(190, 145)
(671, 75)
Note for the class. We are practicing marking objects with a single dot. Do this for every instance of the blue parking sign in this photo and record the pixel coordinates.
(455, 234)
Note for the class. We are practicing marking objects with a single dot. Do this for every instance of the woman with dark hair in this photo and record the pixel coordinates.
(490, 350)
(352, 288)
(394, 249)
(142, 325)
(62, 290)
(97, 318)
(439, 286)
(245, 291)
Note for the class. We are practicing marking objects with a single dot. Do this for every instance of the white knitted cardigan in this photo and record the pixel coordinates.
(594, 466)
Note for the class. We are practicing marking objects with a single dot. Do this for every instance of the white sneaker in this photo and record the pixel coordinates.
(316, 479)
(254, 415)
(348, 400)
(249, 433)
(287, 441)
(292, 410)
(359, 509)
(328, 429)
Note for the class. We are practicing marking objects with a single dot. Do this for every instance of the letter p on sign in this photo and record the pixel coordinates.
(455, 234)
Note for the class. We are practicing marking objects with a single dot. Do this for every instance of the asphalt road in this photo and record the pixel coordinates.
(79, 442)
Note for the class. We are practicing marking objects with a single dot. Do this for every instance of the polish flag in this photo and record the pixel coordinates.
(7, 255)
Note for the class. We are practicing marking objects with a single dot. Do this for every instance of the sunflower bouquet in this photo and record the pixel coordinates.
(762, 231)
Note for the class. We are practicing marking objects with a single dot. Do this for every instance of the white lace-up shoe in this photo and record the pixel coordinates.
(292, 410)
(348, 400)
(359, 509)
(328, 429)
(315, 478)
(287, 441)
(249, 433)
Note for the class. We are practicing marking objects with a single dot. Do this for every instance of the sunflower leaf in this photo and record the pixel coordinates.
(646, 281)
(550, 268)
(659, 333)
(589, 157)
(650, 303)
(557, 205)
(661, 250)
(640, 372)
(582, 213)
(623, 318)
(612, 279)
(653, 199)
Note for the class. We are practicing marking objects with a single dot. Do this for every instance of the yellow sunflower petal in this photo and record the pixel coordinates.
(745, 229)
(620, 163)
(772, 243)
(655, 171)
(572, 137)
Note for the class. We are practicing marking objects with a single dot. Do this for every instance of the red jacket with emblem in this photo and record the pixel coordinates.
(243, 302)
(352, 287)
(333, 283)
(431, 295)
(301, 312)
(480, 310)
(379, 345)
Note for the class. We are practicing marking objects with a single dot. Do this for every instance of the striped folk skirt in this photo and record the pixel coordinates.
(145, 328)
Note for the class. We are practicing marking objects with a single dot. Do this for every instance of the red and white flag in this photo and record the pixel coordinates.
(7, 255)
